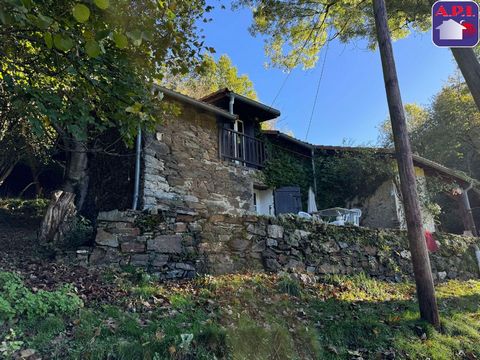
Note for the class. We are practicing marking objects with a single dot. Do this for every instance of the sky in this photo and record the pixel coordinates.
(351, 102)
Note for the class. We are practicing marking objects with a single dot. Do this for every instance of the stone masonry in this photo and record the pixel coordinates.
(165, 243)
(178, 244)
(183, 169)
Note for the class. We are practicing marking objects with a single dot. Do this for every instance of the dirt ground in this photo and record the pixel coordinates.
(21, 253)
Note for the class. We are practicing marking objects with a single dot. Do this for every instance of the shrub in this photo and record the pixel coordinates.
(81, 232)
(33, 208)
(17, 300)
(289, 285)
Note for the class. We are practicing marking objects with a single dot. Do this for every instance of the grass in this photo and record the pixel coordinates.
(258, 316)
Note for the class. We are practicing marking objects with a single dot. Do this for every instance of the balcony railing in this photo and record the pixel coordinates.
(241, 148)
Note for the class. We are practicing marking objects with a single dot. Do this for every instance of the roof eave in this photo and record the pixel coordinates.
(197, 103)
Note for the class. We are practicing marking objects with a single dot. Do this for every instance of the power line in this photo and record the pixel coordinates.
(318, 89)
(295, 63)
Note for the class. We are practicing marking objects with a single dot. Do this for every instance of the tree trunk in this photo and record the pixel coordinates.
(470, 67)
(416, 237)
(63, 208)
(76, 180)
(6, 168)
(57, 220)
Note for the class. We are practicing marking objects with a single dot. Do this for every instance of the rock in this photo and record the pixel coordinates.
(103, 256)
(106, 239)
(98, 254)
(139, 260)
(185, 218)
(194, 227)
(184, 266)
(168, 244)
(452, 274)
(330, 246)
(132, 247)
(217, 218)
(180, 227)
(174, 274)
(115, 215)
(311, 269)
(188, 240)
(159, 260)
(256, 229)
(302, 234)
(275, 231)
(238, 244)
(370, 250)
(294, 264)
(127, 231)
(405, 254)
(272, 265)
(24, 354)
(343, 245)
(272, 242)
(259, 246)
(328, 269)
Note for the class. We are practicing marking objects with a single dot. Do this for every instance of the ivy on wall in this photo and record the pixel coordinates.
(343, 178)
(285, 168)
(347, 176)
(340, 177)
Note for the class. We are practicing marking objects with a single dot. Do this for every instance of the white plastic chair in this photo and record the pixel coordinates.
(353, 216)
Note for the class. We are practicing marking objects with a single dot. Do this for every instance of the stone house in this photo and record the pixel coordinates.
(200, 183)
(208, 160)
(205, 160)
(384, 207)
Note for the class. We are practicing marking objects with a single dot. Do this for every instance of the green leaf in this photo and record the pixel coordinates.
(48, 39)
(4, 17)
(147, 35)
(28, 4)
(43, 22)
(81, 13)
(102, 34)
(136, 37)
(92, 48)
(62, 42)
(102, 4)
(120, 40)
(134, 109)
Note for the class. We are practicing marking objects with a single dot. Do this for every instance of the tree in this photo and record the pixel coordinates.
(212, 76)
(82, 68)
(447, 131)
(451, 135)
(416, 238)
(296, 30)
(415, 116)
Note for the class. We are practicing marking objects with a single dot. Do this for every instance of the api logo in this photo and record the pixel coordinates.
(455, 23)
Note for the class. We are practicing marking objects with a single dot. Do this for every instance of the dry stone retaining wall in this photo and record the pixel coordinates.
(178, 244)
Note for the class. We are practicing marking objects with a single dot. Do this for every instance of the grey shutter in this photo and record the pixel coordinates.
(288, 200)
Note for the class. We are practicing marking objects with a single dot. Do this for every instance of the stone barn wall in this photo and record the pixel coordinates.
(384, 208)
(183, 169)
(177, 244)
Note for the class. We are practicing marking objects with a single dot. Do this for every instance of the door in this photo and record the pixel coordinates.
(288, 200)
(263, 202)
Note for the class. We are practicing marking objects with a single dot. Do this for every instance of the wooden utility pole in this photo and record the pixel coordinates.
(416, 237)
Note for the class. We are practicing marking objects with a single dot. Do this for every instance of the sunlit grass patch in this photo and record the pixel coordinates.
(263, 316)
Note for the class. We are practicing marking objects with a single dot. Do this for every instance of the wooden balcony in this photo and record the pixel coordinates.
(241, 148)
